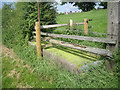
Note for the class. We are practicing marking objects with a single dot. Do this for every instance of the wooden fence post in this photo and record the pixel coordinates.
(113, 28)
(71, 24)
(86, 25)
(113, 24)
(38, 38)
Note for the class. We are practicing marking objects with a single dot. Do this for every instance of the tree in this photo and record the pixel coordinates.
(8, 34)
(85, 6)
(47, 15)
(6, 14)
(104, 4)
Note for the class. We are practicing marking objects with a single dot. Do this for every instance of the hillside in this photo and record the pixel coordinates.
(98, 23)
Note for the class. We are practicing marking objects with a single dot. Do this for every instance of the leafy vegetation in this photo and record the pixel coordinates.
(27, 11)
(45, 74)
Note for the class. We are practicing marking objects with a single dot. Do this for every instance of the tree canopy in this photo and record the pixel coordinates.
(85, 6)
(104, 4)
(25, 14)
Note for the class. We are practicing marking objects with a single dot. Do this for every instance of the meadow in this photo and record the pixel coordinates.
(98, 23)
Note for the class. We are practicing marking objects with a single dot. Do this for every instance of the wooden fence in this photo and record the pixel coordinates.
(99, 51)
(113, 33)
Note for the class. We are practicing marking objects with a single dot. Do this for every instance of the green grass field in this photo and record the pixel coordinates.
(98, 23)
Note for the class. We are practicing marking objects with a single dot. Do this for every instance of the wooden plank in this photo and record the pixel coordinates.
(113, 24)
(58, 25)
(78, 23)
(89, 32)
(52, 26)
(95, 39)
(80, 47)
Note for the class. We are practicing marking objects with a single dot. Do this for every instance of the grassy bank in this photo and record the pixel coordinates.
(24, 69)
(40, 74)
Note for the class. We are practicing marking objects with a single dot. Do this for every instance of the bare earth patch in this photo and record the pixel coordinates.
(13, 72)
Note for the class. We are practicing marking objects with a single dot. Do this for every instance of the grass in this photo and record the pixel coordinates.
(18, 74)
(98, 23)
(28, 71)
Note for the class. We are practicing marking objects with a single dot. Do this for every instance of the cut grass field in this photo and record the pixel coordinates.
(98, 23)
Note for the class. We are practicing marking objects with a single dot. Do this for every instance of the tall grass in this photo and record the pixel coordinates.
(61, 78)
(52, 75)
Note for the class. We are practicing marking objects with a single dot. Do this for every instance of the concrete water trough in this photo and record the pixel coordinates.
(71, 59)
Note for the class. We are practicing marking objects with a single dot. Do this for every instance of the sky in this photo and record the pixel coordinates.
(68, 7)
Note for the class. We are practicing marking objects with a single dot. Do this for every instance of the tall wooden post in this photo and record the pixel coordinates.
(38, 38)
(113, 28)
(86, 25)
(113, 24)
(38, 34)
(71, 24)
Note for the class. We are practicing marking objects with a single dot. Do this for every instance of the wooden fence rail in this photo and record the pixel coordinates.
(93, 50)
(84, 31)
(58, 25)
(95, 39)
